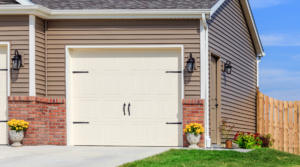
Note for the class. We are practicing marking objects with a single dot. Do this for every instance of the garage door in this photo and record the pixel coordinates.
(3, 96)
(125, 97)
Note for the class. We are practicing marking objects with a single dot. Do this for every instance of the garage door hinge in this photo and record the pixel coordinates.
(80, 122)
(3, 69)
(173, 72)
(3, 121)
(174, 122)
(80, 72)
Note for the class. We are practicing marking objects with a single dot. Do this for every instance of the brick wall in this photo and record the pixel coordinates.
(193, 112)
(46, 117)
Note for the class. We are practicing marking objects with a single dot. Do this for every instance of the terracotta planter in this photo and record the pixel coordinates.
(228, 144)
(16, 138)
(193, 140)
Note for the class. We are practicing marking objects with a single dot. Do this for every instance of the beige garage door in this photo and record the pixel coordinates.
(3, 95)
(125, 97)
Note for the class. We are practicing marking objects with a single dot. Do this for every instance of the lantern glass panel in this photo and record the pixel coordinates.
(190, 67)
(16, 63)
(228, 69)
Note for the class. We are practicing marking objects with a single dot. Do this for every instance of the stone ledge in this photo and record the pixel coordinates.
(193, 101)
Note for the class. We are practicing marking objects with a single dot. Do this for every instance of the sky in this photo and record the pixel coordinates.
(278, 25)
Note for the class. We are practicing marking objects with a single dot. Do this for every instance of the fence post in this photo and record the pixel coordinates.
(267, 114)
(296, 149)
(286, 127)
(291, 128)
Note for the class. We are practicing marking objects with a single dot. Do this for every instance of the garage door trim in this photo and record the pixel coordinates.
(68, 51)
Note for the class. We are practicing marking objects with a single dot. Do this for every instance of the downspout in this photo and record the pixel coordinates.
(205, 77)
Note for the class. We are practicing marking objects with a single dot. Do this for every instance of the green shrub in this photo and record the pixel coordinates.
(248, 141)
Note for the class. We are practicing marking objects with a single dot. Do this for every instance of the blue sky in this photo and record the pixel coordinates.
(278, 24)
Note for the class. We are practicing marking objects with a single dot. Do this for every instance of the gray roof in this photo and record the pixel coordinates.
(126, 4)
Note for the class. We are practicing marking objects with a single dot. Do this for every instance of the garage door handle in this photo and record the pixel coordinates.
(124, 108)
(129, 109)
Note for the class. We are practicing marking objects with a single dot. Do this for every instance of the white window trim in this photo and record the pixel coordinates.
(32, 91)
(68, 50)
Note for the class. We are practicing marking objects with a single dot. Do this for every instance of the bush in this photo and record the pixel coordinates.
(267, 140)
(248, 141)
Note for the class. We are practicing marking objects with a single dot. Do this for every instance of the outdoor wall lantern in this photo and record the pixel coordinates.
(190, 64)
(17, 61)
(227, 67)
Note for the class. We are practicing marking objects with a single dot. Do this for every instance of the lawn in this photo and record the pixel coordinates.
(189, 158)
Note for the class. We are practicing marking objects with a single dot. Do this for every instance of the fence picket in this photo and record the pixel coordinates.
(261, 113)
(276, 126)
(281, 125)
(298, 127)
(286, 127)
(267, 114)
(271, 111)
(295, 128)
(291, 127)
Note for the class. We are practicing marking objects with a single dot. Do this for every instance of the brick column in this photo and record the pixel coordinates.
(46, 117)
(193, 112)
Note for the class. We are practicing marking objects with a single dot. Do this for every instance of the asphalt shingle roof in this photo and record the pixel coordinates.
(126, 4)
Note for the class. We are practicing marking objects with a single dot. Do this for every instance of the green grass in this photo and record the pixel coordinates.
(189, 158)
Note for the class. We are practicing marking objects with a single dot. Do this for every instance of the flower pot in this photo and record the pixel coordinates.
(228, 144)
(16, 138)
(193, 140)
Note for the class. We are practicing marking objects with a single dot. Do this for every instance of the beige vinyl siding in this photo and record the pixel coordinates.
(230, 38)
(15, 29)
(119, 32)
(40, 70)
(8, 2)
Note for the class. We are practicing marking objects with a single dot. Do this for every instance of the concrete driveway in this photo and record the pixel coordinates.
(83, 156)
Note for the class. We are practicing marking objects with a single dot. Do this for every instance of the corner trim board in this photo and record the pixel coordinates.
(32, 91)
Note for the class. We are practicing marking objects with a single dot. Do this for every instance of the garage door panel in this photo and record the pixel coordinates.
(113, 133)
(166, 85)
(2, 83)
(168, 135)
(86, 109)
(142, 134)
(3, 132)
(113, 110)
(113, 85)
(167, 63)
(87, 134)
(86, 85)
(166, 110)
(3, 57)
(141, 109)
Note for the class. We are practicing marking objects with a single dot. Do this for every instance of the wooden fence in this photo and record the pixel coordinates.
(281, 120)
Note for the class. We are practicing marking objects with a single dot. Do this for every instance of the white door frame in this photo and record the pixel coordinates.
(68, 50)
(7, 45)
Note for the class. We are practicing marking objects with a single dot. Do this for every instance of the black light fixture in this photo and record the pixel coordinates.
(227, 67)
(190, 64)
(17, 61)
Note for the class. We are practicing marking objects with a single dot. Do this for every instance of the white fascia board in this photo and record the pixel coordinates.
(25, 2)
(104, 14)
(260, 53)
(216, 6)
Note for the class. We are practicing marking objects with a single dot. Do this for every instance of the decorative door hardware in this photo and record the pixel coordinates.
(173, 72)
(77, 72)
(124, 109)
(80, 122)
(129, 109)
(3, 69)
(174, 123)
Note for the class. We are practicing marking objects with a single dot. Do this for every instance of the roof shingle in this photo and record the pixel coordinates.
(126, 4)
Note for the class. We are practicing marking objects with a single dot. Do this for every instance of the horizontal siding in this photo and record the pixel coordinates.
(40, 70)
(119, 32)
(230, 38)
(15, 29)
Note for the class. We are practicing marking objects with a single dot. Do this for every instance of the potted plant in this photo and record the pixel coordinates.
(193, 132)
(16, 133)
(226, 130)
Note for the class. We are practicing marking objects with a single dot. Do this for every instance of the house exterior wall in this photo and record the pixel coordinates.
(119, 32)
(15, 29)
(40, 68)
(229, 37)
